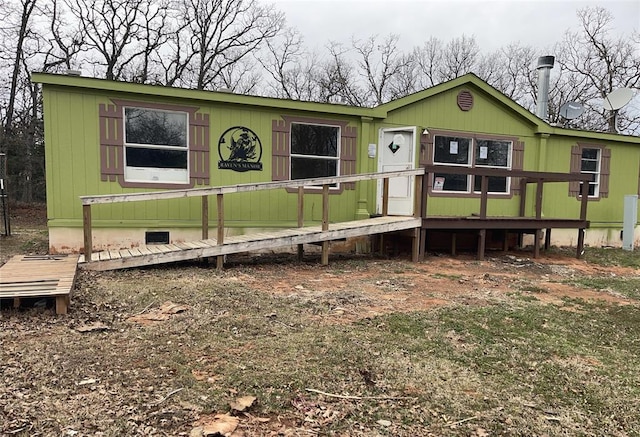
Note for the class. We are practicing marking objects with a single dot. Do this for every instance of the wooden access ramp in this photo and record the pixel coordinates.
(166, 253)
(39, 276)
(222, 245)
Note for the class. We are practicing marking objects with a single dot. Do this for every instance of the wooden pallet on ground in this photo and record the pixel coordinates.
(39, 276)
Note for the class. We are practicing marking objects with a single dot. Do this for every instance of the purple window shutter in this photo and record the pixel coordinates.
(111, 143)
(605, 165)
(280, 150)
(517, 163)
(574, 167)
(199, 149)
(348, 154)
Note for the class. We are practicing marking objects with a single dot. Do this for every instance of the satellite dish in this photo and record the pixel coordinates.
(571, 110)
(617, 99)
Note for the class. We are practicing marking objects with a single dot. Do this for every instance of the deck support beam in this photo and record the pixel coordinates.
(220, 239)
(300, 219)
(325, 224)
(482, 241)
(86, 225)
(205, 217)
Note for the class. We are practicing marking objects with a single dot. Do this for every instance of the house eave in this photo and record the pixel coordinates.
(103, 85)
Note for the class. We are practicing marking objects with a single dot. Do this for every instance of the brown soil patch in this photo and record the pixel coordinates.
(368, 288)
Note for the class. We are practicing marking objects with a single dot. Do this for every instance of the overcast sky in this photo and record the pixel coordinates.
(493, 23)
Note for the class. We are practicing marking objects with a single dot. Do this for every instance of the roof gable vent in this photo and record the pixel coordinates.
(465, 100)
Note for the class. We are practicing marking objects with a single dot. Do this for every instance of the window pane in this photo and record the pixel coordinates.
(451, 150)
(592, 189)
(590, 153)
(311, 139)
(493, 153)
(588, 165)
(148, 126)
(453, 182)
(156, 158)
(305, 168)
(496, 184)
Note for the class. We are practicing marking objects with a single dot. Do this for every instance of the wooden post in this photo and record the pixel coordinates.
(205, 217)
(580, 248)
(417, 212)
(453, 243)
(523, 196)
(583, 216)
(539, 187)
(88, 238)
(415, 245)
(417, 200)
(482, 239)
(484, 190)
(536, 243)
(385, 196)
(505, 241)
(300, 219)
(325, 223)
(220, 239)
(547, 239)
(584, 200)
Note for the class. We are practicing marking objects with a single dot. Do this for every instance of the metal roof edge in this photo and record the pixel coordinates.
(90, 83)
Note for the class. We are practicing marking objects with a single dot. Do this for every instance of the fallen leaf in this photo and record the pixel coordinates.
(88, 381)
(172, 308)
(90, 327)
(384, 422)
(242, 403)
(220, 424)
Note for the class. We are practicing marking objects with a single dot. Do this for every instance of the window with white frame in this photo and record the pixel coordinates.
(493, 154)
(454, 151)
(472, 153)
(314, 150)
(156, 146)
(590, 164)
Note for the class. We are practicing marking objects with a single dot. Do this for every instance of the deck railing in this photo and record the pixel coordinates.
(526, 178)
(220, 191)
(421, 194)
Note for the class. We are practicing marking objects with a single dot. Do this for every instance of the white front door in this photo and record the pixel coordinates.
(396, 151)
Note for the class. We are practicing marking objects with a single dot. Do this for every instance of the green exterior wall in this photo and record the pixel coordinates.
(72, 140)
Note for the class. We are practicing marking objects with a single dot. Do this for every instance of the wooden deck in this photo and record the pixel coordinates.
(165, 253)
(39, 276)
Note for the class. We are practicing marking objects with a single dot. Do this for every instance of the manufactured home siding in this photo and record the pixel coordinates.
(487, 118)
(73, 160)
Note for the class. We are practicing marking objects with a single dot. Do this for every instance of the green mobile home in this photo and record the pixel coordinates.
(105, 138)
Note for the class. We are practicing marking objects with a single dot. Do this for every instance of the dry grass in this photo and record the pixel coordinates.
(445, 347)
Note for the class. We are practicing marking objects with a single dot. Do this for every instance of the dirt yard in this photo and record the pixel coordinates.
(135, 356)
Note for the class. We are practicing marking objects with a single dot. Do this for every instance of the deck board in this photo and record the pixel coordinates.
(39, 276)
(166, 253)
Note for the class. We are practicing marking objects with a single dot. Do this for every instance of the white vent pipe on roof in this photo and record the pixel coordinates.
(545, 64)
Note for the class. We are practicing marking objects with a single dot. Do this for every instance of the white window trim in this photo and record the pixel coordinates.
(468, 165)
(507, 167)
(472, 164)
(152, 174)
(596, 183)
(328, 158)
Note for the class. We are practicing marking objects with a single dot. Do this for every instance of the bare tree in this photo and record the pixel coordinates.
(118, 32)
(458, 58)
(336, 78)
(19, 35)
(510, 70)
(220, 34)
(378, 64)
(428, 57)
(605, 63)
(281, 61)
(65, 41)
